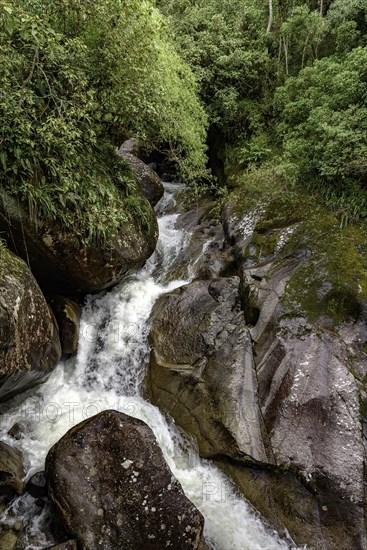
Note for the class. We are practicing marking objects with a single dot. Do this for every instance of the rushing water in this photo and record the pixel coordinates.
(108, 372)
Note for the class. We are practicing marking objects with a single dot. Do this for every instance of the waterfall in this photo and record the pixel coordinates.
(108, 373)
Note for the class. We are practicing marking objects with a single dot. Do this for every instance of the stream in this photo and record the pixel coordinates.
(108, 373)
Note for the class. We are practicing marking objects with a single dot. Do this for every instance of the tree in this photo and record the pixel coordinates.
(323, 122)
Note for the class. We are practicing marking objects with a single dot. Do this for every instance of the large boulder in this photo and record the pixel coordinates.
(149, 182)
(62, 264)
(29, 340)
(201, 369)
(304, 287)
(110, 484)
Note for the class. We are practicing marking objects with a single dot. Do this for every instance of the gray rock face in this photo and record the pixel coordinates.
(62, 264)
(202, 369)
(309, 391)
(113, 489)
(206, 254)
(29, 340)
(310, 404)
(67, 313)
(148, 181)
(271, 385)
(11, 471)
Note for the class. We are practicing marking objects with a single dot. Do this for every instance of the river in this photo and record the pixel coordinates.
(108, 373)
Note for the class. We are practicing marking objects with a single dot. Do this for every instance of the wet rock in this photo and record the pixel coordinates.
(206, 255)
(62, 264)
(11, 471)
(37, 485)
(149, 182)
(201, 369)
(67, 313)
(16, 431)
(109, 482)
(29, 340)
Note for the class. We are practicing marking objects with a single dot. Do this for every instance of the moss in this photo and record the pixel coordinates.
(261, 246)
(253, 188)
(10, 265)
(330, 283)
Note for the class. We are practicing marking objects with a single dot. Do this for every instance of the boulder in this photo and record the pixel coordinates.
(201, 369)
(62, 264)
(130, 146)
(67, 313)
(29, 340)
(205, 256)
(110, 484)
(8, 540)
(11, 471)
(16, 431)
(149, 182)
(37, 485)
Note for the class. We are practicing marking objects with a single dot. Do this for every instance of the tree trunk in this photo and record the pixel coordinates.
(270, 22)
(285, 42)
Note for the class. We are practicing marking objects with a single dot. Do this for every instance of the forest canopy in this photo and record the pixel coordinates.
(284, 81)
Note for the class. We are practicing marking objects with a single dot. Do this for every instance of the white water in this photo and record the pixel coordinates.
(108, 373)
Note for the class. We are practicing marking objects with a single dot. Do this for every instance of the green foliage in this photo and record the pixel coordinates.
(323, 126)
(76, 78)
(225, 45)
(302, 35)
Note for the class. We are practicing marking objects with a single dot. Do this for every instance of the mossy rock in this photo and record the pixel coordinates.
(65, 264)
(29, 339)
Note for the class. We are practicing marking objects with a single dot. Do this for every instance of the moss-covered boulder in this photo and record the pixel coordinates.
(131, 146)
(111, 486)
(29, 340)
(65, 263)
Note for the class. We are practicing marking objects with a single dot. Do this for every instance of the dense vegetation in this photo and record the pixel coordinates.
(77, 78)
(284, 82)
